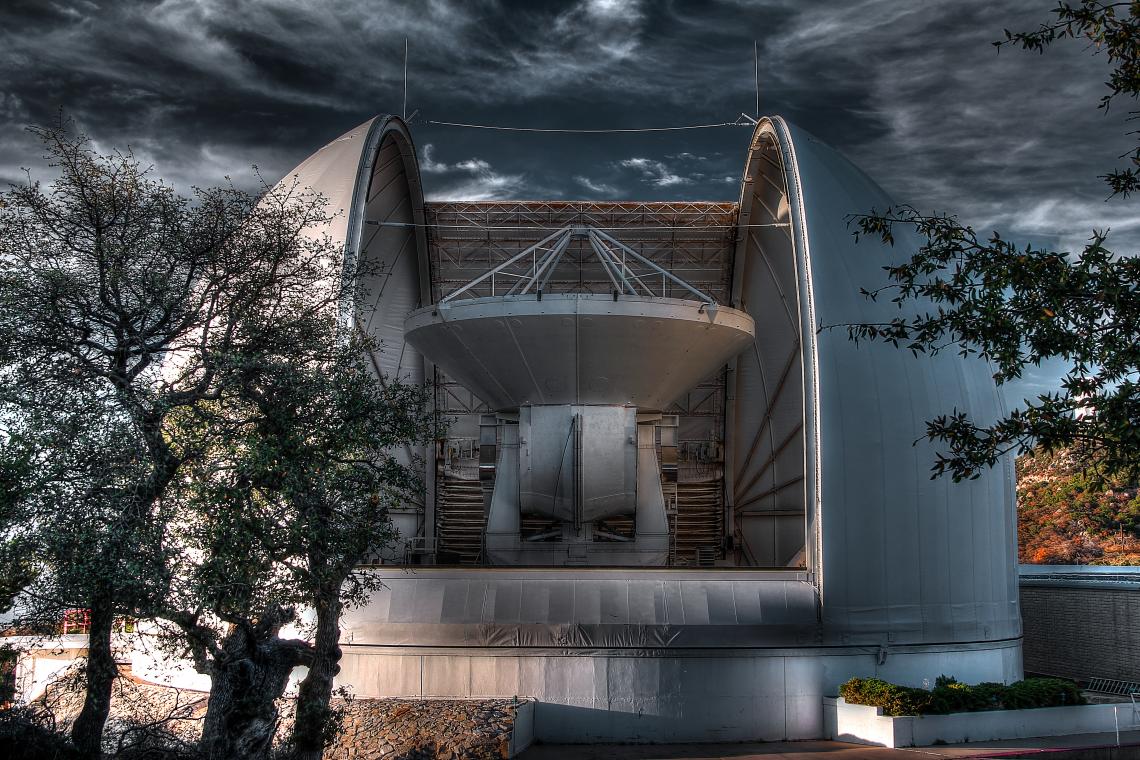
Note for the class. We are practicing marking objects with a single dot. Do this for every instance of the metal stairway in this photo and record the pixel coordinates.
(697, 524)
(460, 520)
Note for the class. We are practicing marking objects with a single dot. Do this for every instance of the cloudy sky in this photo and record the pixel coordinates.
(912, 91)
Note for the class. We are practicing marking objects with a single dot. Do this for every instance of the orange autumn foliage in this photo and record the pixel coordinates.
(1064, 519)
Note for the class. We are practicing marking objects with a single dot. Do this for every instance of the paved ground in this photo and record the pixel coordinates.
(810, 750)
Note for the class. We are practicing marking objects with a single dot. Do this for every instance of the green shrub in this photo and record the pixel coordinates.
(992, 695)
(950, 696)
(894, 699)
(1042, 692)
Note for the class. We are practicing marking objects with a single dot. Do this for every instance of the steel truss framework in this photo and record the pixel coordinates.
(532, 269)
(693, 241)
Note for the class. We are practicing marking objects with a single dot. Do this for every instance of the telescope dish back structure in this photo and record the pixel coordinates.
(848, 559)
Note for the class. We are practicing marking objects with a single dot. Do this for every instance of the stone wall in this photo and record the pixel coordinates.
(409, 729)
(373, 729)
(140, 710)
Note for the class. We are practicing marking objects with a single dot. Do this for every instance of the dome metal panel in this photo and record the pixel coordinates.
(899, 557)
(370, 177)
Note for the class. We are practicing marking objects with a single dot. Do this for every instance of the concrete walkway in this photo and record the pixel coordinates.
(1054, 747)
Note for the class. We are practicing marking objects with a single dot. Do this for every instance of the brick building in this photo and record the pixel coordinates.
(1081, 622)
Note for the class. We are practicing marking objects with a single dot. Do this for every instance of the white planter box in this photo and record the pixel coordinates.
(867, 725)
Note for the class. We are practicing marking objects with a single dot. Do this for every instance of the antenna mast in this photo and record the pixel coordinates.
(755, 74)
(405, 112)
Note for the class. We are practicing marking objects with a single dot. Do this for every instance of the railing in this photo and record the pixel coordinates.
(1133, 716)
(1109, 686)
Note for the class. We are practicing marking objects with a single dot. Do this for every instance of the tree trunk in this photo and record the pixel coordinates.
(241, 716)
(87, 731)
(313, 726)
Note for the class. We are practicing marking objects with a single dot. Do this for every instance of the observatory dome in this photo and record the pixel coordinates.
(766, 523)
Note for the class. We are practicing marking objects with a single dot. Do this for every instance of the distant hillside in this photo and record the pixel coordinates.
(1063, 520)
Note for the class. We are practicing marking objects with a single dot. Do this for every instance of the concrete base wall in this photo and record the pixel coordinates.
(684, 696)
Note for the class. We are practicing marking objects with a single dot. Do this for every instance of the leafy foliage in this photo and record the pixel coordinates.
(17, 550)
(306, 455)
(192, 438)
(1016, 307)
(29, 734)
(122, 305)
(1113, 29)
(1041, 692)
(950, 696)
(122, 308)
(894, 699)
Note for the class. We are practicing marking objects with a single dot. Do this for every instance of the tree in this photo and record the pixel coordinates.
(17, 552)
(345, 471)
(311, 457)
(1018, 306)
(124, 308)
(211, 448)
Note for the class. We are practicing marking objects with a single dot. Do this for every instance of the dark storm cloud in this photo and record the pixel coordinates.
(913, 92)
